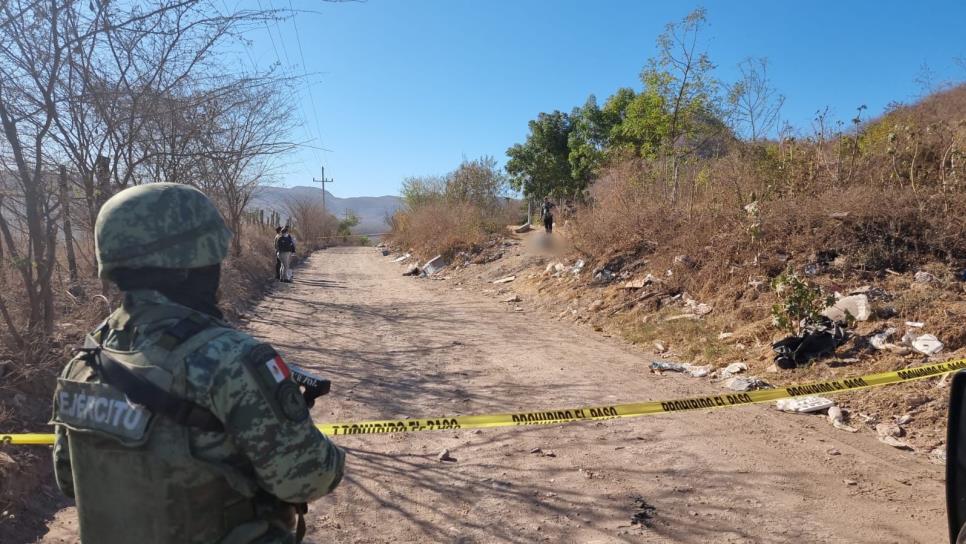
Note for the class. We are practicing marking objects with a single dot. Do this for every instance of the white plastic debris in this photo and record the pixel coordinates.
(925, 277)
(698, 371)
(880, 340)
(750, 383)
(689, 369)
(804, 405)
(855, 305)
(927, 344)
(732, 369)
(915, 324)
(837, 418)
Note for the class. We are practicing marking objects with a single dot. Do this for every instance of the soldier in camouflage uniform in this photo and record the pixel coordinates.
(171, 426)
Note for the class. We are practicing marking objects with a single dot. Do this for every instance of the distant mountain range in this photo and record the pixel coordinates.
(371, 210)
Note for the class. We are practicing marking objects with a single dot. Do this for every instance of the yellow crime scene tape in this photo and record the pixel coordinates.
(596, 413)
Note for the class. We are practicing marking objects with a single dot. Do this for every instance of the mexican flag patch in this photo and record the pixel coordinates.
(278, 369)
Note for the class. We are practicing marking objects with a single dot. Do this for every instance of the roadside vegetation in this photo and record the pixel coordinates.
(96, 97)
(459, 211)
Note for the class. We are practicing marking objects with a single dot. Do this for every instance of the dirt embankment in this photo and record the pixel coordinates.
(643, 304)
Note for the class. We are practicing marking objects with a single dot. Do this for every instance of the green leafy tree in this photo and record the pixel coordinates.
(638, 123)
(541, 165)
(479, 182)
(588, 140)
(680, 79)
(347, 223)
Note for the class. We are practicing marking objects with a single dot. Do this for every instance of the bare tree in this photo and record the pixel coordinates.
(313, 223)
(247, 134)
(755, 104)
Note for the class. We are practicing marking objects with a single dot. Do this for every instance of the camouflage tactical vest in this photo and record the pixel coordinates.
(136, 478)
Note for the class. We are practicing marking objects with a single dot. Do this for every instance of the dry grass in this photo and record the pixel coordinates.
(445, 228)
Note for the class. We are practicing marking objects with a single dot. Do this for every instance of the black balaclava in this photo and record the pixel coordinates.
(196, 288)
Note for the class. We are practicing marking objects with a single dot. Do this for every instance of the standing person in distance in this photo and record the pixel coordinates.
(546, 213)
(172, 427)
(278, 262)
(286, 248)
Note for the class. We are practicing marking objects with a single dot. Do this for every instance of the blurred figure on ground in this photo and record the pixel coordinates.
(278, 262)
(546, 213)
(285, 245)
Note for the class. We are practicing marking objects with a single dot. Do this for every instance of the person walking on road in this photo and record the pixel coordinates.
(546, 213)
(285, 246)
(171, 427)
(278, 262)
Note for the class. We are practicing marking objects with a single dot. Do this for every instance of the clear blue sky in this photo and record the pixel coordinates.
(406, 88)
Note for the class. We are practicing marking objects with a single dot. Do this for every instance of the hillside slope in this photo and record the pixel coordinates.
(371, 210)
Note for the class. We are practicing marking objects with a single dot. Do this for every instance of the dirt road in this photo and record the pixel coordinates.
(397, 347)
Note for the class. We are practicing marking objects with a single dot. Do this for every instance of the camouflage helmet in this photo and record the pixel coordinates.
(159, 225)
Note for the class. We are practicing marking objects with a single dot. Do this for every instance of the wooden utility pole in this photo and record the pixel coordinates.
(323, 181)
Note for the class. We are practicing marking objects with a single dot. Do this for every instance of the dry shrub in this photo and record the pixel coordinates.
(444, 228)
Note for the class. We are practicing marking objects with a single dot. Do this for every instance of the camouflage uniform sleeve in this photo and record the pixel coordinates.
(292, 459)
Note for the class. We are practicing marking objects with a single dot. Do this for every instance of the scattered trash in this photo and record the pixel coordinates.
(837, 418)
(746, 384)
(881, 339)
(698, 371)
(444, 456)
(804, 405)
(850, 482)
(938, 455)
(536, 451)
(413, 270)
(915, 324)
(434, 265)
(635, 284)
(698, 309)
(817, 339)
(667, 366)
(578, 267)
(732, 369)
(670, 366)
(725, 335)
(833, 451)
(385, 252)
(925, 277)
(889, 429)
(402, 258)
(927, 344)
(856, 306)
(507, 279)
(895, 443)
(644, 515)
(604, 275)
(659, 347)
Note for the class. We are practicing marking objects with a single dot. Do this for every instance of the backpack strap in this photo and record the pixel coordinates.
(142, 391)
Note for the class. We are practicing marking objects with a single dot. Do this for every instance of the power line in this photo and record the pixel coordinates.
(298, 40)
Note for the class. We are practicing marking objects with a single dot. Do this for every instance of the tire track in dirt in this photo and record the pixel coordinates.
(397, 347)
